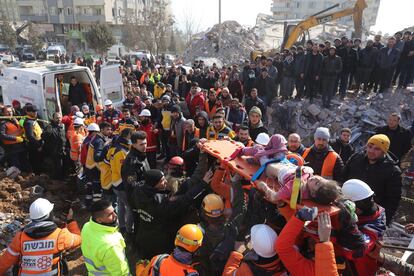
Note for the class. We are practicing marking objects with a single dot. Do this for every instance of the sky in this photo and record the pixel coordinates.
(393, 15)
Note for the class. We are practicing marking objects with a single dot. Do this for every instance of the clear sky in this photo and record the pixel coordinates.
(393, 15)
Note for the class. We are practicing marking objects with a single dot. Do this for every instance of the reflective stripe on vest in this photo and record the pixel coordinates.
(90, 262)
(328, 163)
(13, 130)
(40, 256)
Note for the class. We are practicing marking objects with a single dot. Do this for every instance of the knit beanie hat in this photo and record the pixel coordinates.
(381, 141)
(152, 177)
(256, 110)
(322, 133)
(176, 108)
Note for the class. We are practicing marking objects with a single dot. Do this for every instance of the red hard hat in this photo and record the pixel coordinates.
(176, 161)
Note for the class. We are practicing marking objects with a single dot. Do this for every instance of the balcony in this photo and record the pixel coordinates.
(88, 3)
(84, 18)
(34, 18)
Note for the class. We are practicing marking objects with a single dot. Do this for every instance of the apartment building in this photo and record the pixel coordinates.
(300, 9)
(9, 10)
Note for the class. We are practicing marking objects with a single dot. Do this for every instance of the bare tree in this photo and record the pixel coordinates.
(190, 24)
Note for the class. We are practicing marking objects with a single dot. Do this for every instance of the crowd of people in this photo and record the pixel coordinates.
(161, 205)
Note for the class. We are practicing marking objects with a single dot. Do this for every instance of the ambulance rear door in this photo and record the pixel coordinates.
(112, 87)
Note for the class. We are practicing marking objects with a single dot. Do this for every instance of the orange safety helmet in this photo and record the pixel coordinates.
(176, 161)
(98, 108)
(189, 237)
(295, 159)
(213, 206)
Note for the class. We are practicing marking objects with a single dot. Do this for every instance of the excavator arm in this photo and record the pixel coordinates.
(313, 21)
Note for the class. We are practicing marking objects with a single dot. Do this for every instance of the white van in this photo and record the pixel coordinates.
(54, 50)
(37, 83)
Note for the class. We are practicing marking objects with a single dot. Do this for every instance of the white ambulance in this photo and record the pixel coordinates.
(38, 84)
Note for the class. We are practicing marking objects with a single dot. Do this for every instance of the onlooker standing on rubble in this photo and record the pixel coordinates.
(387, 61)
(407, 64)
(331, 68)
(254, 100)
(349, 59)
(366, 63)
(322, 158)
(342, 146)
(288, 80)
(376, 168)
(299, 68)
(312, 69)
(266, 86)
(400, 139)
(11, 135)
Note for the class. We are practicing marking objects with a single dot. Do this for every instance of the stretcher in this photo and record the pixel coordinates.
(223, 150)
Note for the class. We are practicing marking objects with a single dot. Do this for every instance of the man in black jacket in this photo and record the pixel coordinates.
(331, 68)
(342, 146)
(54, 147)
(299, 68)
(349, 58)
(266, 86)
(400, 137)
(313, 66)
(254, 100)
(376, 168)
(156, 212)
(387, 61)
(77, 95)
(366, 63)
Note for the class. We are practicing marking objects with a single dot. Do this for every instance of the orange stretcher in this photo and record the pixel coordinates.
(223, 149)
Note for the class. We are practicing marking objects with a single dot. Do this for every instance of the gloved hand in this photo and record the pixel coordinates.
(19, 139)
(307, 214)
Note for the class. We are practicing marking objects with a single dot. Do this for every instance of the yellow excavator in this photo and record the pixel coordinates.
(294, 32)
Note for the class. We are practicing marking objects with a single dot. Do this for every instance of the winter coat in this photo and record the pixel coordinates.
(255, 102)
(203, 130)
(400, 140)
(133, 168)
(236, 89)
(387, 61)
(349, 59)
(312, 65)
(384, 178)
(299, 64)
(177, 126)
(195, 103)
(331, 67)
(265, 86)
(295, 262)
(344, 150)
(368, 58)
(288, 67)
(256, 130)
(152, 137)
(55, 139)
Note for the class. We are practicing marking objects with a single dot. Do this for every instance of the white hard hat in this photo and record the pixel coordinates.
(93, 127)
(356, 190)
(145, 113)
(108, 102)
(78, 121)
(79, 114)
(263, 240)
(40, 208)
(262, 139)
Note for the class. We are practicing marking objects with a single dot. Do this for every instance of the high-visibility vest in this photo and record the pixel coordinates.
(40, 256)
(328, 164)
(210, 112)
(170, 266)
(14, 130)
(75, 145)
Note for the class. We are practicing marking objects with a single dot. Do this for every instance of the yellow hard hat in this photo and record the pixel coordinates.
(189, 237)
(213, 205)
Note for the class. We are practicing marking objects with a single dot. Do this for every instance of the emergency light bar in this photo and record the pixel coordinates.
(55, 67)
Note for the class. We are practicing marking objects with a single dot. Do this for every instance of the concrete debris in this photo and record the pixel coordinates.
(396, 235)
(12, 172)
(362, 113)
(236, 44)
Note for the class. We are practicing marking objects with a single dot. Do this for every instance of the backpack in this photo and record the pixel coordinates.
(144, 268)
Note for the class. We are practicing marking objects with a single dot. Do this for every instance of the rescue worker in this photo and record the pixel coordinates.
(117, 158)
(180, 262)
(103, 247)
(11, 135)
(33, 135)
(156, 211)
(38, 248)
(175, 175)
(371, 222)
(111, 115)
(342, 146)
(94, 156)
(147, 126)
(376, 168)
(324, 262)
(218, 130)
(294, 144)
(322, 158)
(261, 260)
(54, 147)
(76, 140)
(244, 137)
(212, 103)
(99, 114)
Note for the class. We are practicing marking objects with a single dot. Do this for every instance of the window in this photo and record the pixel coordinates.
(60, 11)
(311, 5)
(69, 11)
(85, 11)
(52, 10)
(297, 5)
(113, 12)
(98, 11)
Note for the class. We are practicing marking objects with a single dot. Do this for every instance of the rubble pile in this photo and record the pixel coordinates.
(236, 44)
(361, 113)
(17, 195)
